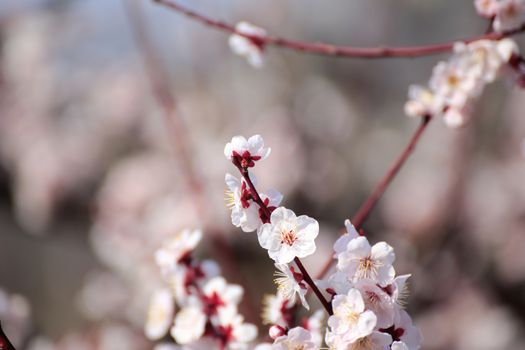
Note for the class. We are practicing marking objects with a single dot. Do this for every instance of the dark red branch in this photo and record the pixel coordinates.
(367, 207)
(257, 198)
(5, 344)
(334, 50)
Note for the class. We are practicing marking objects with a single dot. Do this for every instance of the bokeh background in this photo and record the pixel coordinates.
(90, 183)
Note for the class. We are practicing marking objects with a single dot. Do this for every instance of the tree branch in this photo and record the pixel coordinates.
(334, 50)
(257, 198)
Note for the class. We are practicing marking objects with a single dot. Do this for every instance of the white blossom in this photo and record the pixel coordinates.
(315, 324)
(297, 338)
(245, 212)
(486, 8)
(217, 293)
(360, 260)
(288, 236)
(456, 84)
(176, 248)
(399, 345)
(342, 242)
(288, 285)
(409, 334)
(237, 333)
(510, 14)
(273, 307)
(422, 102)
(350, 319)
(160, 314)
(378, 301)
(251, 49)
(246, 152)
(189, 325)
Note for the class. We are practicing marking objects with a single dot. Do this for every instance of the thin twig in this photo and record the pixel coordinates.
(334, 50)
(257, 198)
(367, 207)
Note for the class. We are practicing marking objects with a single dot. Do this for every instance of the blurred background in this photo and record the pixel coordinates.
(90, 183)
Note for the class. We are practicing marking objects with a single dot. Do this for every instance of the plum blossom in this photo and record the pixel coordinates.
(507, 14)
(342, 242)
(233, 332)
(250, 46)
(315, 324)
(297, 338)
(289, 284)
(176, 248)
(378, 301)
(189, 325)
(350, 317)
(422, 102)
(245, 153)
(399, 345)
(404, 330)
(288, 236)
(217, 293)
(246, 214)
(276, 310)
(360, 260)
(160, 314)
(455, 84)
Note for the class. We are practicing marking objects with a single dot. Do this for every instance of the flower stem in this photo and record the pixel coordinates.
(334, 50)
(257, 198)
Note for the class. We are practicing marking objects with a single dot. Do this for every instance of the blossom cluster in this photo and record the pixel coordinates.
(506, 14)
(455, 84)
(199, 308)
(368, 298)
(365, 295)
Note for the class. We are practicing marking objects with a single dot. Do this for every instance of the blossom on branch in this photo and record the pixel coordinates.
(288, 236)
(246, 214)
(289, 284)
(250, 45)
(457, 83)
(362, 261)
(506, 14)
(244, 153)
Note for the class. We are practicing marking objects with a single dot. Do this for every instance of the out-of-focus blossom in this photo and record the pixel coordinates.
(189, 325)
(160, 314)
(250, 46)
(297, 338)
(455, 84)
(15, 314)
(506, 14)
(274, 308)
(176, 248)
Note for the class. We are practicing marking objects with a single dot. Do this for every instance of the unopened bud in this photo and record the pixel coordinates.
(276, 331)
